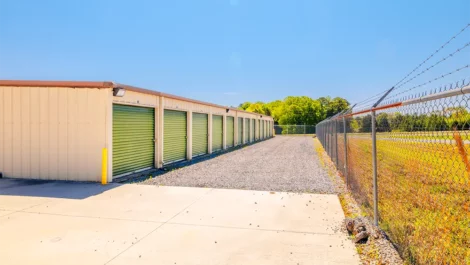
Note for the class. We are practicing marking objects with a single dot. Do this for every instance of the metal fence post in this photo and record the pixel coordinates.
(374, 169)
(330, 136)
(336, 143)
(345, 153)
(374, 156)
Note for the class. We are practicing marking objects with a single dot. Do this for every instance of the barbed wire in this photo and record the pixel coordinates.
(368, 101)
(438, 62)
(430, 81)
(398, 84)
(434, 53)
(450, 86)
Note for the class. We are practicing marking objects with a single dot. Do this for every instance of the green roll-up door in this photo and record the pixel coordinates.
(133, 139)
(174, 136)
(269, 129)
(200, 130)
(217, 133)
(255, 127)
(265, 129)
(230, 131)
(262, 129)
(271, 123)
(240, 131)
(247, 130)
(259, 129)
(252, 130)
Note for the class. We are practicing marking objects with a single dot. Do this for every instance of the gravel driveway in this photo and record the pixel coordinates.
(284, 163)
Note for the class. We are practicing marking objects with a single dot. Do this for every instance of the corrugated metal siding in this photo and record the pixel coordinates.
(184, 105)
(175, 136)
(240, 131)
(200, 134)
(230, 131)
(217, 133)
(247, 130)
(52, 132)
(139, 99)
(133, 134)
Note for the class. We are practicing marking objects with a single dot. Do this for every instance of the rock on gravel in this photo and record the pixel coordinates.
(283, 163)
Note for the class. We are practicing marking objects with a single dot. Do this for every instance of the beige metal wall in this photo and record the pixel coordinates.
(53, 132)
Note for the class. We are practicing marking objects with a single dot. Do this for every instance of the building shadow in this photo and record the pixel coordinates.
(52, 188)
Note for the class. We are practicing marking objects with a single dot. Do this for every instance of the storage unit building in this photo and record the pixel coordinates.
(84, 131)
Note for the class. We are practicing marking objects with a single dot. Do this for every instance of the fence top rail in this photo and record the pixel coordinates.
(445, 94)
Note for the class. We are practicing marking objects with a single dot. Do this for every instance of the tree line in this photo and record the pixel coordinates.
(301, 110)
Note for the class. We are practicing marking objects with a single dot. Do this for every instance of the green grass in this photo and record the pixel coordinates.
(443, 135)
(423, 196)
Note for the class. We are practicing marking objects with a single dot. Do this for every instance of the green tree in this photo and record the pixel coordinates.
(298, 110)
(333, 106)
(244, 105)
(257, 107)
(383, 124)
(457, 118)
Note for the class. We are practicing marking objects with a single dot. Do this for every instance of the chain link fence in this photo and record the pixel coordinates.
(407, 164)
(294, 129)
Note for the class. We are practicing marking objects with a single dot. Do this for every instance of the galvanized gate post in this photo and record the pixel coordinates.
(374, 169)
(345, 153)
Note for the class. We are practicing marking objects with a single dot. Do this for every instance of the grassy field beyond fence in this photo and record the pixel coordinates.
(424, 194)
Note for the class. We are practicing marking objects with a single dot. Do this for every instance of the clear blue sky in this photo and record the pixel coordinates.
(230, 51)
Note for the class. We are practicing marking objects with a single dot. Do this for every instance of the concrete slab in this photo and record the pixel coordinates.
(310, 213)
(140, 224)
(19, 194)
(17, 203)
(51, 189)
(193, 245)
(130, 202)
(28, 238)
(2, 212)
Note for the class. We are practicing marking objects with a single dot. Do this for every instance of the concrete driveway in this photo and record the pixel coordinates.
(76, 223)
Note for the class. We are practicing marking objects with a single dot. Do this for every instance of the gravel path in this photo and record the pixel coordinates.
(284, 163)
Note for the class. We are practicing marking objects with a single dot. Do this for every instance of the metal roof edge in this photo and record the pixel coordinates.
(41, 83)
(109, 84)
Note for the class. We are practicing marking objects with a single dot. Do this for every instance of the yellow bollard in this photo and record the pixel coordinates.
(104, 166)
